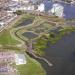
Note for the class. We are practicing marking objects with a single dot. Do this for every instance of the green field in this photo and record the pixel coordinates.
(6, 39)
(31, 68)
(8, 42)
(52, 37)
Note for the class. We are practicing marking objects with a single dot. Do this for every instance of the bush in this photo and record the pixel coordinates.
(18, 12)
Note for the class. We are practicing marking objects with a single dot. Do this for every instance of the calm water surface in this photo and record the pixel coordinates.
(62, 55)
(25, 22)
(30, 35)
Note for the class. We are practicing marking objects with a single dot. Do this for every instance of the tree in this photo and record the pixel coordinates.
(19, 12)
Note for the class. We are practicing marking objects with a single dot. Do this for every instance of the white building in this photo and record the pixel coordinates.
(1, 24)
(30, 7)
(57, 9)
(15, 0)
(41, 7)
(20, 59)
(25, 8)
(23, 1)
(9, 13)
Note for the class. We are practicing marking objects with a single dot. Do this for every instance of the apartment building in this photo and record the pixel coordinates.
(6, 61)
(4, 3)
(3, 14)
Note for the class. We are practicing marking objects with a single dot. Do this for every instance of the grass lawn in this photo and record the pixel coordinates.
(31, 68)
(6, 39)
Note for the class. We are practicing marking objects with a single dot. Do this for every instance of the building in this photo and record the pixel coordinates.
(2, 14)
(7, 58)
(20, 59)
(3, 6)
(1, 24)
(57, 10)
(22, 1)
(6, 17)
(4, 3)
(5, 69)
(36, 2)
(41, 7)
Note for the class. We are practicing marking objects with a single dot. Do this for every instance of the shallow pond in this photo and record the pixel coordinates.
(25, 22)
(30, 35)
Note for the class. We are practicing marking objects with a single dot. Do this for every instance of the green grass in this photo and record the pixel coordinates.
(40, 45)
(6, 39)
(11, 48)
(41, 42)
(31, 68)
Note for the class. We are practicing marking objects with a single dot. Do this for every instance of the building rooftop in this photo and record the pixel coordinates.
(20, 59)
(7, 58)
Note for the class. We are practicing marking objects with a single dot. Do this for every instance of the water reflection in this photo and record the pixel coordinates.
(69, 10)
(30, 35)
(62, 55)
